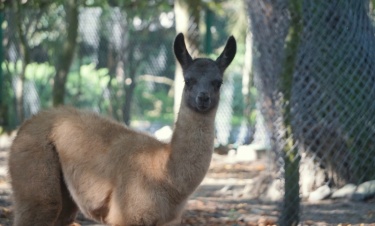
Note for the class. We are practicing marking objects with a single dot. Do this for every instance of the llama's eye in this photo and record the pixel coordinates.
(217, 84)
(189, 82)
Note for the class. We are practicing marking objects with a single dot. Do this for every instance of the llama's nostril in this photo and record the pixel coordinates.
(203, 97)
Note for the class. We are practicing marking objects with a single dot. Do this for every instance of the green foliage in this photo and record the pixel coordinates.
(7, 110)
(153, 105)
(88, 88)
(146, 42)
(40, 74)
(42, 77)
(85, 87)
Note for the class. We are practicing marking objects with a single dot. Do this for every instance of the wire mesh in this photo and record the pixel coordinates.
(329, 139)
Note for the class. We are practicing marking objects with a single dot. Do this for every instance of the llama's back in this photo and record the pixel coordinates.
(31, 140)
(82, 138)
(79, 138)
(62, 127)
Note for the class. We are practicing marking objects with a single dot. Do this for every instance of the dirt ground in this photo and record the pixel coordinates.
(224, 199)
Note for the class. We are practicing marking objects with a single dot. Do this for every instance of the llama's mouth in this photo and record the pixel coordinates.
(202, 104)
(203, 107)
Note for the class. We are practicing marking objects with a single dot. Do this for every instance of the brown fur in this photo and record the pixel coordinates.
(64, 159)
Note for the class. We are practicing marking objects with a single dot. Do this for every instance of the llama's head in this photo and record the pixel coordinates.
(203, 77)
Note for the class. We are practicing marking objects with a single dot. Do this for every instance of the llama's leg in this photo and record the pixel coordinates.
(69, 208)
(36, 176)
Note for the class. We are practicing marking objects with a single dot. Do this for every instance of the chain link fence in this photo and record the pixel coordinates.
(315, 72)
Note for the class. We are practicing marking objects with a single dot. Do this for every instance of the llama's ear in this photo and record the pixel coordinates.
(181, 52)
(228, 54)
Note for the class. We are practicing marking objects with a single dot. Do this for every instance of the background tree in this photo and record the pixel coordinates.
(3, 108)
(25, 53)
(276, 42)
(187, 15)
(65, 57)
(130, 53)
(24, 26)
(27, 37)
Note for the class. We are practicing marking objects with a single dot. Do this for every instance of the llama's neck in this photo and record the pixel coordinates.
(191, 148)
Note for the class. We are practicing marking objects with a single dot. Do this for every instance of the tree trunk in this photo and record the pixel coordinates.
(65, 58)
(126, 109)
(276, 41)
(25, 54)
(3, 109)
(246, 85)
(130, 66)
(187, 22)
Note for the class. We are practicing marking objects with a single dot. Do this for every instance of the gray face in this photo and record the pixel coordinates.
(203, 76)
(203, 79)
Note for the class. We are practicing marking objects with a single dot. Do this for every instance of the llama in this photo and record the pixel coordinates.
(64, 159)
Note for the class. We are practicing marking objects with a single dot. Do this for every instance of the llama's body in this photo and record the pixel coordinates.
(63, 158)
(94, 152)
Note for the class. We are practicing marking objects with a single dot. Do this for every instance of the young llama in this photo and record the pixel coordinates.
(65, 159)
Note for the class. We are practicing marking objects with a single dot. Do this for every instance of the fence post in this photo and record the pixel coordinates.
(208, 38)
(2, 113)
(291, 203)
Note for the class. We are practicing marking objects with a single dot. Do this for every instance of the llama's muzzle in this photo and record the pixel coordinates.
(203, 101)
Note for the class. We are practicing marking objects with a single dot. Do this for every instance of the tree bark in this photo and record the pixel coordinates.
(126, 108)
(66, 57)
(187, 22)
(276, 41)
(25, 54)
(3, 108)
